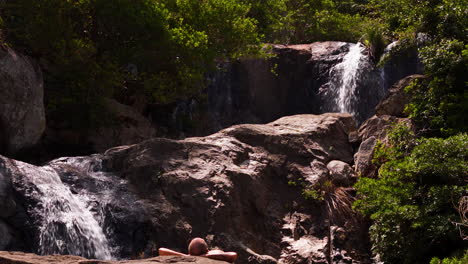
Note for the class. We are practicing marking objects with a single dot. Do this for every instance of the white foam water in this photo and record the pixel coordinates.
(67, 226)
(346, 76)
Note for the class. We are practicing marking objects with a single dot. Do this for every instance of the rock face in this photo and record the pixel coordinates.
(240, 189)
(401, 63)
(130, 127)
(370, 132)
(394, 103)
(301, 79)
(27, 258)
(22, 115)
(125, 126)
(260, 91)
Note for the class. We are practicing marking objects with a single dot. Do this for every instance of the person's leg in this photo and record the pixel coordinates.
(220, 255)
(169, 252)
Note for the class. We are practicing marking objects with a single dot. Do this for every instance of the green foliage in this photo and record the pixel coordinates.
(272, 18)
(454, 260)
(375, 41)
(230, 32)
(411, 203)
(445, 18)
(400, 141)
(311, 20)
(441, 103)
(91, 49)
(312, 194)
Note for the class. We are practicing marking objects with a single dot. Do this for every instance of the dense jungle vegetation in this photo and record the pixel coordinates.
(162, 49)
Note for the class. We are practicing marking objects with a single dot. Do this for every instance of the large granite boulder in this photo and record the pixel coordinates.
(233, 188)
(372, 131)
(22, 114)
(341, 172)
(396, 100)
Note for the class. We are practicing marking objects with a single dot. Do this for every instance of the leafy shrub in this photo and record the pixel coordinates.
(91, 49)
(455, 260)
(411, 203)
(400, 141)
(441, 104)
(375, 41)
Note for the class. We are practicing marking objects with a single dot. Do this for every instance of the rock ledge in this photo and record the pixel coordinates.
(29, 258)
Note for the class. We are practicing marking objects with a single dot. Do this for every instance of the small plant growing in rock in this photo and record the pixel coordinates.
(335, 200)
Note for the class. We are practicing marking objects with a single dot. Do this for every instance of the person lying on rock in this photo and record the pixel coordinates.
(198, 247)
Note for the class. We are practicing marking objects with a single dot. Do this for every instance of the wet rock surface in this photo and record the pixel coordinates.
(233, 188)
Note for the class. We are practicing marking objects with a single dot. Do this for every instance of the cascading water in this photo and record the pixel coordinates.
(350, 70)
(354, 86)
(66, 224)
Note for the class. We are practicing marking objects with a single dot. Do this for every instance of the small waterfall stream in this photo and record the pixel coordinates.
(354, 86)
(349, 72)
(66, 223)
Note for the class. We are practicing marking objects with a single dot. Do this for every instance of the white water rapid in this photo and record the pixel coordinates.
(67, 225)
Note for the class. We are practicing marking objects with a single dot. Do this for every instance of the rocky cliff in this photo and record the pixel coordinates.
(241, 189)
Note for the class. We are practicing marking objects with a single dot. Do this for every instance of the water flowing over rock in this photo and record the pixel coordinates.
(261, 90)
(354, 86)
(22, 114)
(309, 78)
(64, 222)
(233, 188)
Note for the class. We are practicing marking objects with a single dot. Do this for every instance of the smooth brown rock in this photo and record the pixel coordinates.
(29, 258)
(378, 126)
(363, 158)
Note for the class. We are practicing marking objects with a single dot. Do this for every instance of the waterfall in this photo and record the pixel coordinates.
(354, 85)
(350, 69)
(66, 223)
